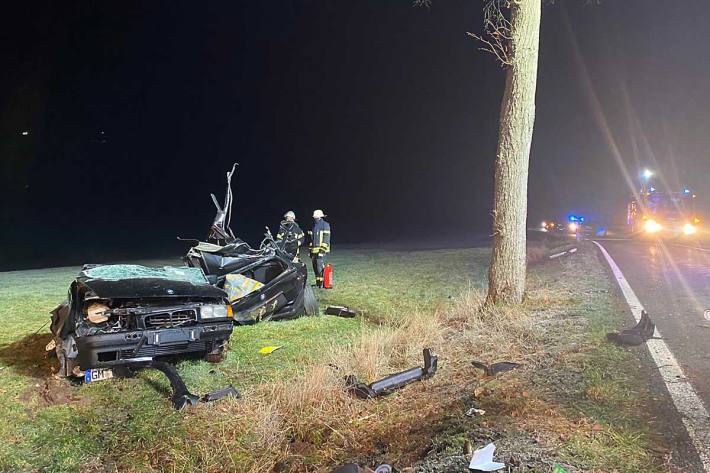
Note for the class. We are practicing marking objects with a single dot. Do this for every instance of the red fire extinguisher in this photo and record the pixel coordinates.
(328, 276)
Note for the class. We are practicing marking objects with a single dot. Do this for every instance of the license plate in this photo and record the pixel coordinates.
(99, 374)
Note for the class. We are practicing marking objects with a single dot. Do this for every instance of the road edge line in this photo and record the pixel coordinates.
(686, 401)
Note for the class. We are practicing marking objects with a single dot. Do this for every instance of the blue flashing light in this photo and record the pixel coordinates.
(686, 191)
(575, 218)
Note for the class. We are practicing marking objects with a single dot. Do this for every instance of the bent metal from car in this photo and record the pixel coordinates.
(128, 315)
(264, 283)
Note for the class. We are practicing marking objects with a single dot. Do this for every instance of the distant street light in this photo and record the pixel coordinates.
(647, 174)
(25, 133)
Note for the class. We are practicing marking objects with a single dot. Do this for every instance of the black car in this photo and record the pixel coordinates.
(129, 315)
(266, 283)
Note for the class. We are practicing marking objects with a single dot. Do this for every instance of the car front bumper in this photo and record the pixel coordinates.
(137, 346)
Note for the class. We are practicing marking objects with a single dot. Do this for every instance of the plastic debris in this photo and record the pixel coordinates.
(495, 368)
(270, 349)
(340, 311)
(229, 391)
(483, 459)
(558, 469)
(182, 397)
(395, 381)
(475, 412)
(635, 335)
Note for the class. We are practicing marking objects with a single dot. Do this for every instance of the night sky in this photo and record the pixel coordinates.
(383, 115)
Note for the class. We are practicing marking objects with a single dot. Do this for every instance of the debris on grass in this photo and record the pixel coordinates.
(483, 459)
(340, 311)
(269, 349)
(635, 335)
(495, 368)
(394, 381)
(182, 397)
(475, 412)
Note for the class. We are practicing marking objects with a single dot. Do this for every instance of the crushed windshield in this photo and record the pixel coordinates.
(115, 272)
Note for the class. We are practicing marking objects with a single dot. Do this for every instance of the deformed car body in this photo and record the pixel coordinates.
(129, 315)
(263, 284)
(266, 283)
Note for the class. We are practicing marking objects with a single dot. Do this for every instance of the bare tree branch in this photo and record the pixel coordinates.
(421, 3)
(496, 30)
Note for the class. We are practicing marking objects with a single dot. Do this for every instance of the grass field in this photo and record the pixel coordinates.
(294, 415)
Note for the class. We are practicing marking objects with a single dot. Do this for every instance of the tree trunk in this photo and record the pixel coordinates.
(506, 276)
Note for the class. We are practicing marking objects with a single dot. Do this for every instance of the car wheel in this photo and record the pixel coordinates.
(310, 303)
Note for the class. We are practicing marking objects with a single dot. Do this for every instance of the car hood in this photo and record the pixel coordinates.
(137, 288)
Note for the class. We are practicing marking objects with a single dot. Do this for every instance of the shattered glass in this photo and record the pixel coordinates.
(116, 272)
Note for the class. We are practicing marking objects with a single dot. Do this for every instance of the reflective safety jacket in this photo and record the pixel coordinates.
(320, 237)
(291, 235)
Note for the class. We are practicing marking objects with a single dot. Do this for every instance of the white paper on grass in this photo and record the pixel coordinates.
(483, 459)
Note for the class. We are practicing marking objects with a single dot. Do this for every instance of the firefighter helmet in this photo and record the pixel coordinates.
(318, 214)
(290, 214)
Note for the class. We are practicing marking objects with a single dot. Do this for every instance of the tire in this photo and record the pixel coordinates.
(310, 303)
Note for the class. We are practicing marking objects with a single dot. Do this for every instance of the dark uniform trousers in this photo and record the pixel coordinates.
(320, 247)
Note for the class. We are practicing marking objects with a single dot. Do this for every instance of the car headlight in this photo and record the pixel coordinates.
(215, 311)
(689, 229)
(573, 227)
(651, 226)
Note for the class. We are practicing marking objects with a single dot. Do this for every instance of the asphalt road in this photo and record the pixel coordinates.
(673, 284)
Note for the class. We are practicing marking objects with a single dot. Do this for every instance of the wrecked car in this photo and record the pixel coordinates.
(128, 315)
(265, 283)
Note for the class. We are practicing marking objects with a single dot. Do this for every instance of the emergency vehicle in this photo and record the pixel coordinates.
(663, 213)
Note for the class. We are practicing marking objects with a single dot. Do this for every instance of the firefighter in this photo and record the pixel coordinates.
(290, 235)
(320, 244)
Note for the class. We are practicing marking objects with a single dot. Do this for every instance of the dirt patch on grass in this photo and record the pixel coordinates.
(29, 357)
(50, 392)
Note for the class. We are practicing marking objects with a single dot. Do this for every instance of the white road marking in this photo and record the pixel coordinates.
(689, 405)
(573, 250)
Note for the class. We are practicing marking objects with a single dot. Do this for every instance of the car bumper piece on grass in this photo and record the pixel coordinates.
(182, 397)
(395, 381)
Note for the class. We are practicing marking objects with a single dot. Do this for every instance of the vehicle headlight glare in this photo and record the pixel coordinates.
(214, 311)
(573, 227)
(651, 226)
(689, 229)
